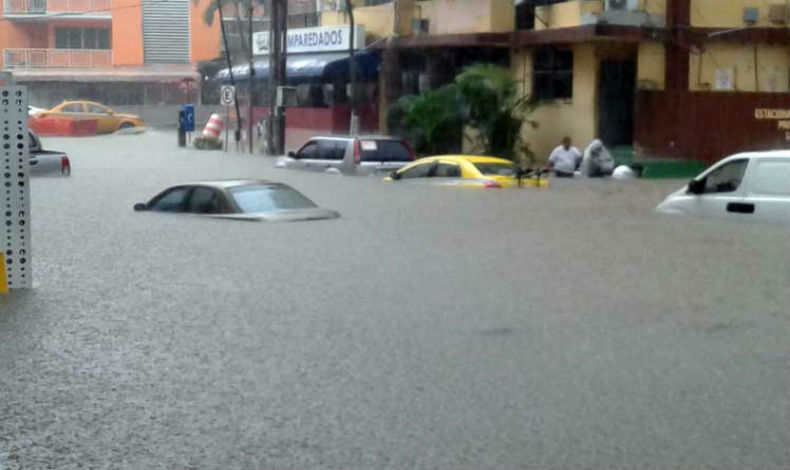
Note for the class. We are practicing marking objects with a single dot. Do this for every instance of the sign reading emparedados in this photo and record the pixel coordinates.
(321, 39)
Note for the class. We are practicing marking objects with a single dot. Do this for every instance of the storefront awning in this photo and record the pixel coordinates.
(324, 67)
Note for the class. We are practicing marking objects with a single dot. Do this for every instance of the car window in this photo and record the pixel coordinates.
(447, 170)
(726, 178)
(420, 171)
(340, 149)
(771, 178)
(71, 108)
(268, 198)
(385, 151)
(331, 150)
(204, 201)
(92, 108)
(310, 150)
(497, 169)
(171, 201)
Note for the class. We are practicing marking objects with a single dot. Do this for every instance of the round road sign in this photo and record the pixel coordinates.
(227, 94)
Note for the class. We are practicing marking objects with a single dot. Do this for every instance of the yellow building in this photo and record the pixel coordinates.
(644, 72)
(654, 75)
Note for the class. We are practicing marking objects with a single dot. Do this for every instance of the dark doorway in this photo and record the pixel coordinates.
(616, 91)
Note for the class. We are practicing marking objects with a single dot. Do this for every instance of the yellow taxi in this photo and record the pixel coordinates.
(466, 170)
(107, 120)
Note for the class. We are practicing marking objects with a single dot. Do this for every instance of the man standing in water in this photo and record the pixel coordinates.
(564, 159)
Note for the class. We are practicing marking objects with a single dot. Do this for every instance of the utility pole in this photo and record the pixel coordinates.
(278, 26)
(251, 87)
(390, 89)
(274, 25)
(352, 73)
(237, 133)
(281, 73)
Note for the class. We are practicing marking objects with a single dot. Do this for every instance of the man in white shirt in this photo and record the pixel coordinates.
(564, 159)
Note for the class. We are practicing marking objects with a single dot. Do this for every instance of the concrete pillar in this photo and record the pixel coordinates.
(390, 82)
(676, 56)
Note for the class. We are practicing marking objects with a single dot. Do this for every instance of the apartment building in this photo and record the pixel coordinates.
(668, 78)
(120, 52)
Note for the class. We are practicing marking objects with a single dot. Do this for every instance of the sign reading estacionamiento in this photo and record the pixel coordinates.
(321, 39)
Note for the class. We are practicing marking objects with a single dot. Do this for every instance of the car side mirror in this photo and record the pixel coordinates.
(292, 154)
(697, 186)
(140, 207)
(395, 175)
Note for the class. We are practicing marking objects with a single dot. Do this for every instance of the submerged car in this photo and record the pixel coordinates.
(47, 162)
(467, 170)
(238, 199)
(107, 120)
(361, 155)
(747, 187)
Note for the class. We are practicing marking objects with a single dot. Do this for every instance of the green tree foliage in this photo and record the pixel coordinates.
(483, 97)
(433, 120)
(493, 109)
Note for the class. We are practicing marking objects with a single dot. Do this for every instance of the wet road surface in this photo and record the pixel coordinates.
(427, 328)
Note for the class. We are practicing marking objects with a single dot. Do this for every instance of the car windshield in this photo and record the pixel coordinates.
(497, 169)
(268, 198)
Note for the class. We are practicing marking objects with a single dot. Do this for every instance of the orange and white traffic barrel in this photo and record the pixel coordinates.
(213, 127)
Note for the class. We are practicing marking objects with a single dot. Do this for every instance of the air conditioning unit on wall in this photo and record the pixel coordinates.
(622, 4)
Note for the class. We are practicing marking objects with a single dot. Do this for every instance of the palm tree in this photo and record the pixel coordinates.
(483, 97)
(493, 109)
(238, 6)
(433, 121)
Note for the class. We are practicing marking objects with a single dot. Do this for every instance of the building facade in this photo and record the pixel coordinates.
(674, 79)
(693, 79)
(121, 52)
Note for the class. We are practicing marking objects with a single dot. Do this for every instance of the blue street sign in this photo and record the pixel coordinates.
(189, 117)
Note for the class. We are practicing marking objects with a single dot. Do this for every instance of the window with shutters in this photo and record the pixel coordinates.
(166, 31)
(82, 38)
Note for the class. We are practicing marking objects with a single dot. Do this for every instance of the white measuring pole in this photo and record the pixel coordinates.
(15, 187)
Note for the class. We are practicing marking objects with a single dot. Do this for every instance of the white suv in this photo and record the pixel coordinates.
(746, 187)
(350, 155)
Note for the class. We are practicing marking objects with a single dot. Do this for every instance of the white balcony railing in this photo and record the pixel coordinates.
(46, 58)
(46, 7)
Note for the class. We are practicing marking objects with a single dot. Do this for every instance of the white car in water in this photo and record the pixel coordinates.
(749, 187)
(241, 199)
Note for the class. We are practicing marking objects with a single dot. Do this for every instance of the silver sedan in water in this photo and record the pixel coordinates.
(238, 199)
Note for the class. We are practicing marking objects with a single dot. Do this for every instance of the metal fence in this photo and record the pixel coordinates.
(44, 58)
(42, 7)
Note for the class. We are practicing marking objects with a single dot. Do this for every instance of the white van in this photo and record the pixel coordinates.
(748, 187)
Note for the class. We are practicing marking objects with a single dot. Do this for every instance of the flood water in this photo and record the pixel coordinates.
(566, 327)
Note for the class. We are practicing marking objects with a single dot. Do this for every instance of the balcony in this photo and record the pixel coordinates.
(430, 17)
(572, 13)
(62, 58)
(23, 9)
